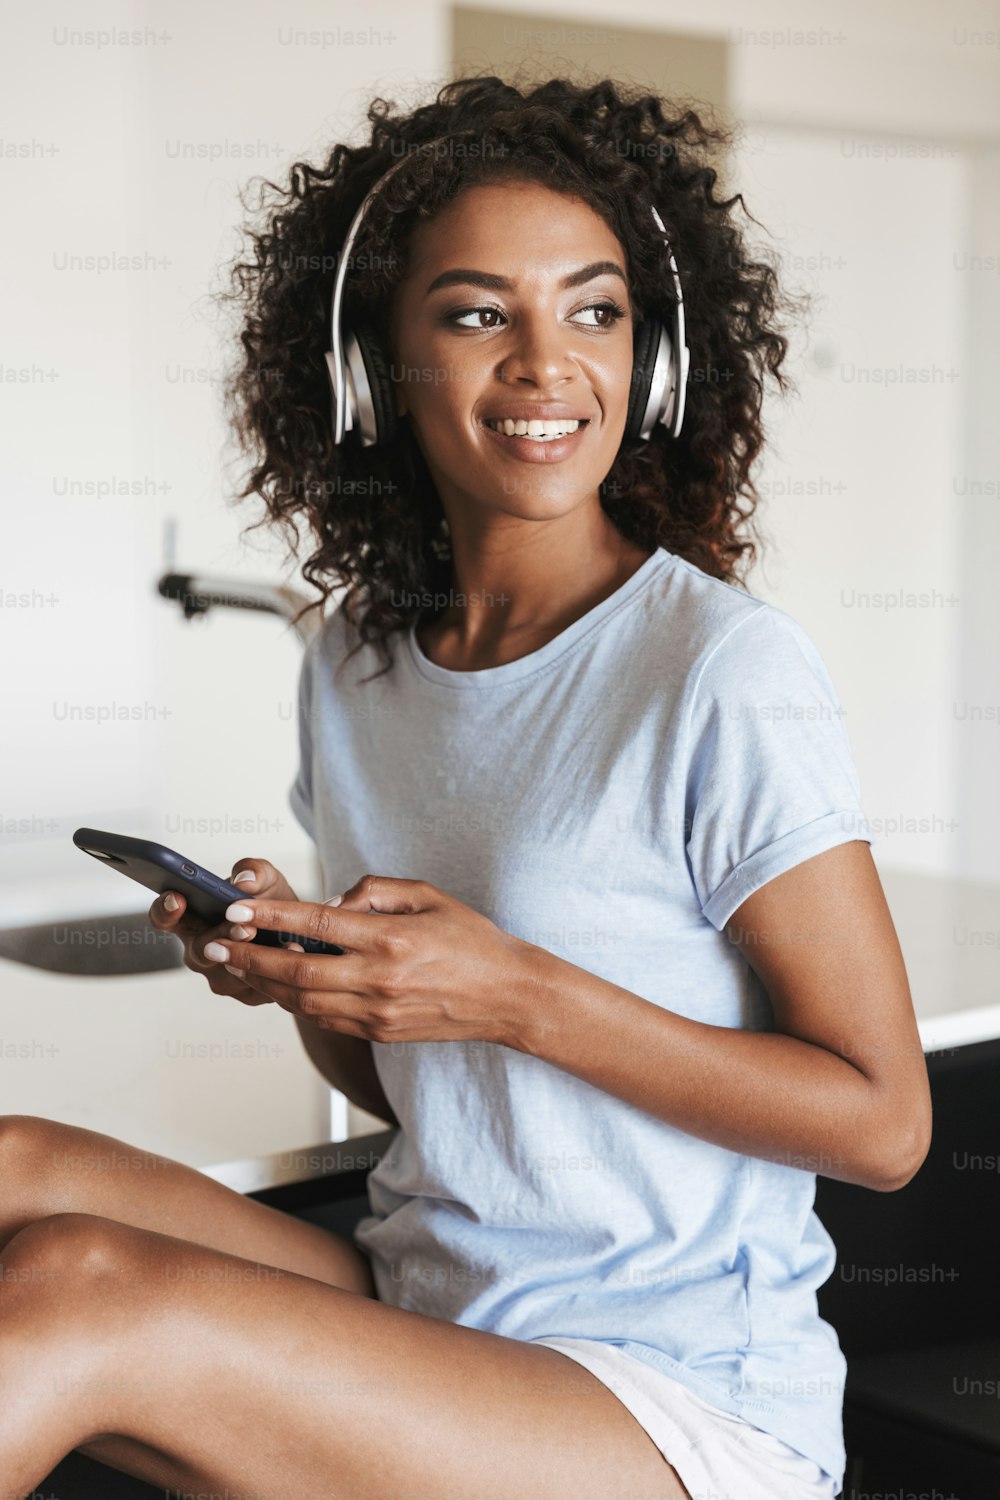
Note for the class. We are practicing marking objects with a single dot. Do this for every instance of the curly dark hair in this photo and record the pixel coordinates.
(374, 513)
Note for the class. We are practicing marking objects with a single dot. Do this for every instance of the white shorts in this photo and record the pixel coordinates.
(717, 1456)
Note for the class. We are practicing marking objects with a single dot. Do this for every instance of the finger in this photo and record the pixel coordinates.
(230, 984)
(167, 910)
(258, 877)
(181, 922)
(267, 967)
(286, 976)
(199, 959)
(231, 988)
(359, 930)
(386, 893)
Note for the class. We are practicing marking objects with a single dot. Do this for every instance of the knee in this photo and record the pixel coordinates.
(27, 1142)
(64, 1249)
(40, 1160)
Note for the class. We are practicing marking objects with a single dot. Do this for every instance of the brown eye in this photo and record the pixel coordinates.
(613, 313)
(473, 312)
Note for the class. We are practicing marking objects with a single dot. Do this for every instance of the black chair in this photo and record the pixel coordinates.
(913, 1298)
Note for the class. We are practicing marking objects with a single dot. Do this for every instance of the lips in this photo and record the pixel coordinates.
(537, 450)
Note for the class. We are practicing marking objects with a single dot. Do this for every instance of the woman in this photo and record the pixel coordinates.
(626, 980)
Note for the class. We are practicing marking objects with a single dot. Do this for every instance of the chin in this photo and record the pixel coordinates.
(541, 503)
(532, 490)
(529, 492)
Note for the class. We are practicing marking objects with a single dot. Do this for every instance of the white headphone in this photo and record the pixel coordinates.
(363, 400)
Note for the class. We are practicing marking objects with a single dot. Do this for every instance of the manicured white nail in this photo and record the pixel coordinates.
(216, 952)
(170, 901)
(294, 948)
(240, 933)
(231, 970)
(245, 877)
(239, 913)
(333, 901)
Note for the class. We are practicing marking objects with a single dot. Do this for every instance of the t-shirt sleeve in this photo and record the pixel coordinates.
(300, 793)
(771, 778)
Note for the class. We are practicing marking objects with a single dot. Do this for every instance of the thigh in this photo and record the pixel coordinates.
(283, 1386)
(50, 1168)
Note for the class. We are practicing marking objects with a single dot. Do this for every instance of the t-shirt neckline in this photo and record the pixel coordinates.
(535, 661)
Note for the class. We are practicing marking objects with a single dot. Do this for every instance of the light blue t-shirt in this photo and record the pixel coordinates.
(612, 797)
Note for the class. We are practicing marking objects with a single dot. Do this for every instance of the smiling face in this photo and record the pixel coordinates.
(515, 307)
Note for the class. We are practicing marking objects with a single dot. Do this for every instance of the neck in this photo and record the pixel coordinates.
(518, 585)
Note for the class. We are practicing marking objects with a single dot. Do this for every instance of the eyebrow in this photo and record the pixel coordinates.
(493, 283)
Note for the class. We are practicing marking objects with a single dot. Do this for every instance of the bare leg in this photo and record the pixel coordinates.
(270, 1384)
(49, 1168)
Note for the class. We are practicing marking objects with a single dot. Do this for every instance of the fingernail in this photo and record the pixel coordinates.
(245, 877)
(239, 913)
(240, 933)
(216, 952)
(170, 901)
(231, 970)
(294, 948)
(333, 901)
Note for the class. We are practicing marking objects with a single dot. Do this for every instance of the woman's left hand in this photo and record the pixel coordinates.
(419, 965)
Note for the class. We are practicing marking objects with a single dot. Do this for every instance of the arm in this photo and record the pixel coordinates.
(839, 1088)
(346, 1062)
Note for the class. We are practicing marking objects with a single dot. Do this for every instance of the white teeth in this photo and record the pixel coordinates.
(543, 431)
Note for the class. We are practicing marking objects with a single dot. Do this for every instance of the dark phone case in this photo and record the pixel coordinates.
(161, 869)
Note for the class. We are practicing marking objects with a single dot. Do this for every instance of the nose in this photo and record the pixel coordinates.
(540, 353)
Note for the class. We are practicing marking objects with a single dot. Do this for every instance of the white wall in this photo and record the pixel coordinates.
(110, 380)
(132, 401)
(863, 542)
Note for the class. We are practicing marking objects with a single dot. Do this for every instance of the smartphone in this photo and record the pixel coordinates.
(161, 869)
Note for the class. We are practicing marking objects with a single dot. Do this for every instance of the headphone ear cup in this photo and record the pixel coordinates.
(380, 392)
(644, 346)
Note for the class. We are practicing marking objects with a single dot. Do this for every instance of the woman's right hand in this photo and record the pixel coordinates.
(195, 932)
